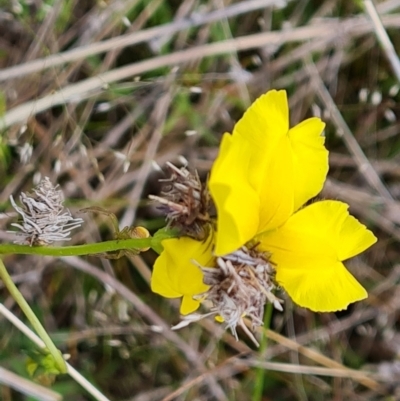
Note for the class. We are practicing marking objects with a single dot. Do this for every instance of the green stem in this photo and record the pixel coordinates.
(76, 250)
(18, 297)
(260, 373)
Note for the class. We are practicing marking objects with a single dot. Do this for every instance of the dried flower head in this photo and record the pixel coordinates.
(185, 202)
(240, 286)
(44, 219)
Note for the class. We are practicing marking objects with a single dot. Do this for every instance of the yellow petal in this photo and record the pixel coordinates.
(188, 305)
(236, 201)
(260, 130)
(332, 287)
(288, 167)
(175, 274)
(264, 171)
(251, 179)
(185, 277)
(160, 281)
(310, 160)
(276, 193)
(354, 238)
(264, 123)
(308, 250)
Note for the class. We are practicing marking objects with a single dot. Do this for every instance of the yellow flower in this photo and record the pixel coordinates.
(175, 273)
(264, 174)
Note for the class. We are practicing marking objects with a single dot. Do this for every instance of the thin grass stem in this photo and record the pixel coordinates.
(260, 372)
(35, 339)
(40, 330)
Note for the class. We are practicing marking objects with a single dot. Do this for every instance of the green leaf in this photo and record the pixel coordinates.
(42, 367)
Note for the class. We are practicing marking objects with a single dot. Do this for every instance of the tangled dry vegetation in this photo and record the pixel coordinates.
(98, 95)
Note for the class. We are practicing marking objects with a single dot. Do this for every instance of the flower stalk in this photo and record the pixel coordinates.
(78, 250)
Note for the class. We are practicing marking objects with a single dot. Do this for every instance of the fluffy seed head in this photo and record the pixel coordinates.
(44, 219)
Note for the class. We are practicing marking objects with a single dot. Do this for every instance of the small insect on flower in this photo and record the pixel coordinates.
(44, 219)
(186, 203)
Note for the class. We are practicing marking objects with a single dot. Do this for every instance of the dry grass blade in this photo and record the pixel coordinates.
(76, 93)
(344, 132)
(385, 216)
(27, 387)
(336, 368)
(383, 37)
(133, 38)
(309, 370)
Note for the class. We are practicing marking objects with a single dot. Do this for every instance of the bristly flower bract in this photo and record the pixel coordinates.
(186, 203)
(240, 286)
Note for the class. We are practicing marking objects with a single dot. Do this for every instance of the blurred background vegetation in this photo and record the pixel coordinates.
(99, 95)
